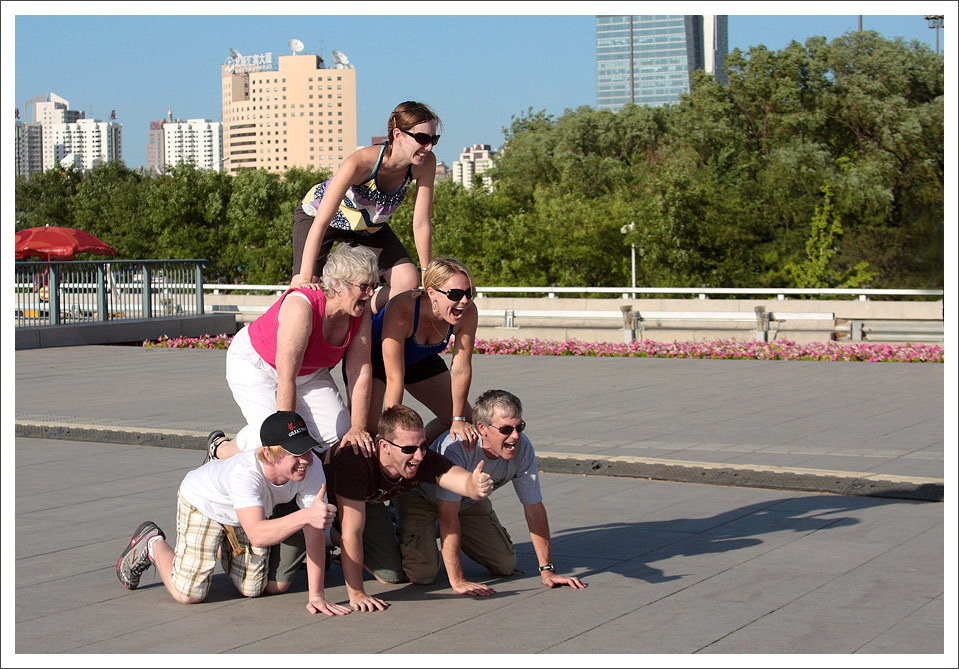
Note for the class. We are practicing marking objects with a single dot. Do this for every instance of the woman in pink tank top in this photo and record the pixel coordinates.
(282, 360)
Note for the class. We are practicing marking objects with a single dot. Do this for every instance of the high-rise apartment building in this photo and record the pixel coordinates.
(196, 141)
(156, 159)
(86, 143)
(57, 135)
(473, 162)
(299, 114)
(29, 148)
(648, 59)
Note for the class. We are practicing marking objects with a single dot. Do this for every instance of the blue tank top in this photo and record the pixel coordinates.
(413, 351)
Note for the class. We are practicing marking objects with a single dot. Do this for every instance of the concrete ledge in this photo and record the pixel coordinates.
(867, 484)
(109, 434)
(863, 484)
(119, 332)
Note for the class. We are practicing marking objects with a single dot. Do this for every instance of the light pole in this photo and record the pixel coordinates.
(627, 229)
(935, 21)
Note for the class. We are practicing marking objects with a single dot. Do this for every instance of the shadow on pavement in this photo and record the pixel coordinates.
(627, 548)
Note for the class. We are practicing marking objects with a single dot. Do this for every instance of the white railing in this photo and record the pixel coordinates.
(631, 293)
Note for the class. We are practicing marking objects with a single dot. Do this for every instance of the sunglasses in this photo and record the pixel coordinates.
(409, 450)
(365, 287)
(423, 138)
(456, 294)
(507, 430)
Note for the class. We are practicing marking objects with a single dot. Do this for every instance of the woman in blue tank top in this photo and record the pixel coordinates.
(409, 334)
(356, 203)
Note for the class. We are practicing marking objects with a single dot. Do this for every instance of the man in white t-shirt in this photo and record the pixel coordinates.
(225, 507)
(472, 526)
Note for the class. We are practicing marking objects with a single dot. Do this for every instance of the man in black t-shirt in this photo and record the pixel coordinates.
(360, 485)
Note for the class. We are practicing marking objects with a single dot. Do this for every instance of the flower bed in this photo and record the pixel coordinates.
(723, 349)
(221, 341)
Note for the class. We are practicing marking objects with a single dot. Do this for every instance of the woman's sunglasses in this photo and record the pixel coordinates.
(423, 138)
(456, 294)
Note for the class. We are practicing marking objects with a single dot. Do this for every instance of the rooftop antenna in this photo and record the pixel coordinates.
(296, 46)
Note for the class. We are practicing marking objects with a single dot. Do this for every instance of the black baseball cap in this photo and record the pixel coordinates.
(287, 429)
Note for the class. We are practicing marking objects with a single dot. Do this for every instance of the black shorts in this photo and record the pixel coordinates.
(430, 366)
(391, 249)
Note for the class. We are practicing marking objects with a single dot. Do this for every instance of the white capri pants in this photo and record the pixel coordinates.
(254, 383)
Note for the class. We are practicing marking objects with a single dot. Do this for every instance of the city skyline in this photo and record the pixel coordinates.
(504, 65)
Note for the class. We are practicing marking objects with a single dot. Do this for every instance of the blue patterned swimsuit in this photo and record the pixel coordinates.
(413, 351)
(365, 208)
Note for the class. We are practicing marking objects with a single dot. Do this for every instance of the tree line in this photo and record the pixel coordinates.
(819, 165)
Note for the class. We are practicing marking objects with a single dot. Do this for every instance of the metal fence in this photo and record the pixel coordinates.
(552, 292)
(54, 293)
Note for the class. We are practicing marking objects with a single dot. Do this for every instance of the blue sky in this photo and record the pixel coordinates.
(475, 70)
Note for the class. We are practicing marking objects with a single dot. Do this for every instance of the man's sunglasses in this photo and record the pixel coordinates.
(423, 138)
(409, 450)
(456, 294)
(507, 430)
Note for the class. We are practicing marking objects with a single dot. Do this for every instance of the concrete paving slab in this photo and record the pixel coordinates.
(908, 636)
(671, 567)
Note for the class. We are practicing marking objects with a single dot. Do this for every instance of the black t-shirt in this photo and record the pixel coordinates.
(357, 477)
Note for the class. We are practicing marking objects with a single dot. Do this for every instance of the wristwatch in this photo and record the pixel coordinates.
(548, 567)
(460, 418)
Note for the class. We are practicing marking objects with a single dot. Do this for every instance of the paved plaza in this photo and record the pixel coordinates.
(672, 567)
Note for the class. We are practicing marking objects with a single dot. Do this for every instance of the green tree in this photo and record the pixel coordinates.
(259, 247)
(107, 204)
(818, 268)
(186, 214)
(46, 198)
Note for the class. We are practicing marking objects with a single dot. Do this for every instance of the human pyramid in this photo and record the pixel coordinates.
(310, 474)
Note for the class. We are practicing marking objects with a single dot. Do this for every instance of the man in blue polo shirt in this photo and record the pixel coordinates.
(472, 526)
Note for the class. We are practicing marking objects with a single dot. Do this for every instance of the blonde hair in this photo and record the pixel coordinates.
(347, 264)
(441, 270)
(270, 455)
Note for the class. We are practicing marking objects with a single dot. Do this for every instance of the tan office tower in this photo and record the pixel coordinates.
(298, 114)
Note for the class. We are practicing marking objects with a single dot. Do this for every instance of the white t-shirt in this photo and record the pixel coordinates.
(220, 487)
(521, 470)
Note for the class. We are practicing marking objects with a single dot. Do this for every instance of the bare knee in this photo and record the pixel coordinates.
(183, 599)
(403, 277)
(277, 587)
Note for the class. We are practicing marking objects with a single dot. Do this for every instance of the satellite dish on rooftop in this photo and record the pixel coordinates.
(340, 61)
(296, 46)
(235, 53)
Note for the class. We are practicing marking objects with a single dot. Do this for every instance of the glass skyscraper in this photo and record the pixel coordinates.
(647, 60)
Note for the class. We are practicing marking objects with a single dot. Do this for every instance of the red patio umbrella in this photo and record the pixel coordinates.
(51, 242)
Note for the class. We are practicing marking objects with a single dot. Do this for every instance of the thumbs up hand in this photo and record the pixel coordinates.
(482, 482)
(320, 514)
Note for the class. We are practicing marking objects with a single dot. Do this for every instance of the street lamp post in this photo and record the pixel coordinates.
(625, 229)
(935, 21)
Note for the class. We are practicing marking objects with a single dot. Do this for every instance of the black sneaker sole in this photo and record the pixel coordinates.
(210, 448)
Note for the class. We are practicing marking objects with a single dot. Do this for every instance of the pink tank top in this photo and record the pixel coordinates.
(319, 354)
